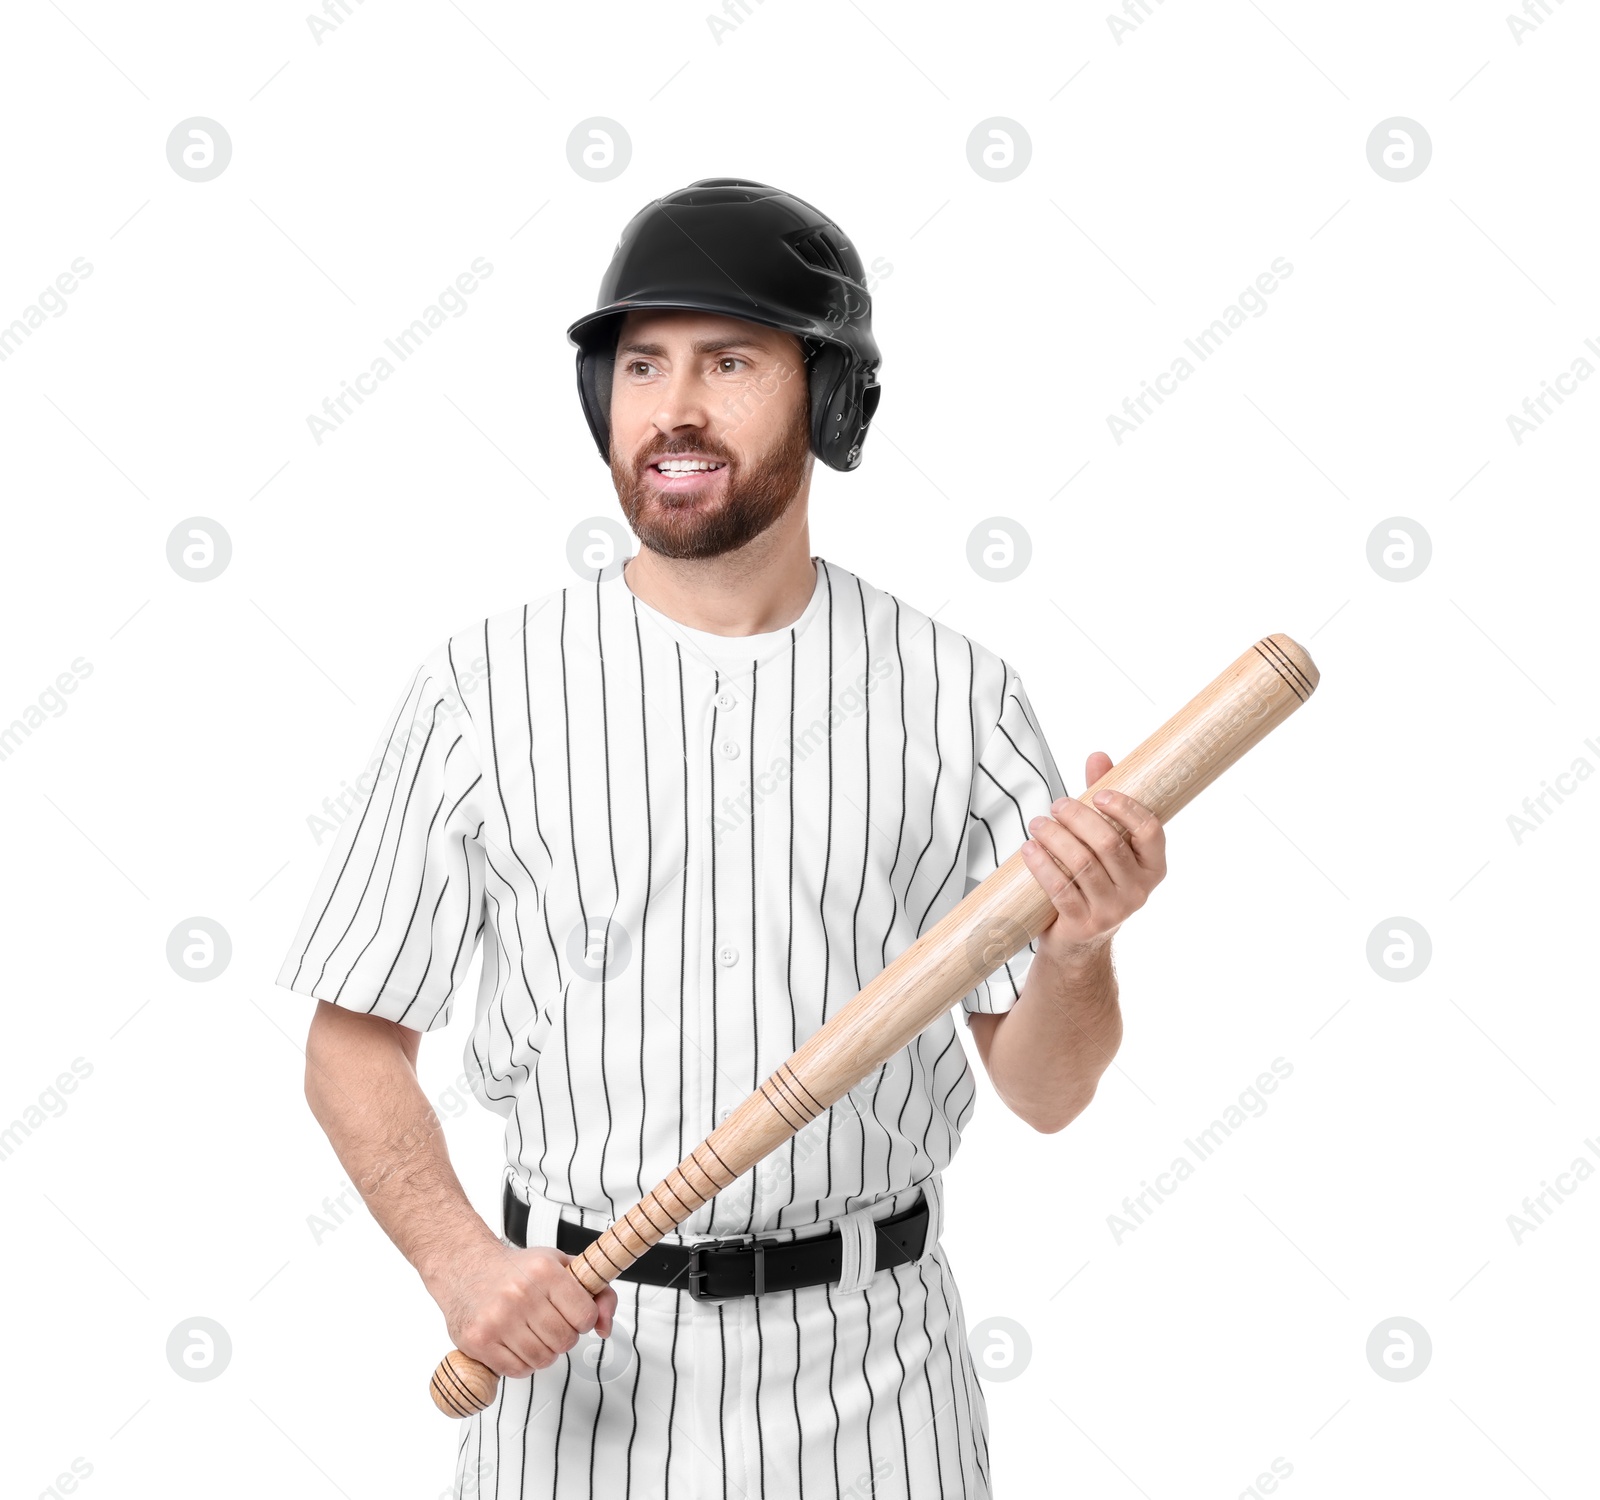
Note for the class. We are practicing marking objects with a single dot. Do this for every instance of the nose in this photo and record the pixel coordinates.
(682, 402)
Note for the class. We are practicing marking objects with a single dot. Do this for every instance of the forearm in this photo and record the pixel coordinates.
(1060, 1036)
(361, 1084)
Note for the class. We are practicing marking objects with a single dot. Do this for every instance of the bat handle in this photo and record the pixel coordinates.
(462, 1386)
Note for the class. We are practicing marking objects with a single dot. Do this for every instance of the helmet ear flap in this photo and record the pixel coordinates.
(595, 367)
(843, 398)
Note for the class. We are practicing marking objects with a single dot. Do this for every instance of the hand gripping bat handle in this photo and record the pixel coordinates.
(998, 917)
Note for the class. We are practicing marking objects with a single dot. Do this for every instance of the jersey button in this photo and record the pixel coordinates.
(730, 749)
(726, 700)
(727, 955)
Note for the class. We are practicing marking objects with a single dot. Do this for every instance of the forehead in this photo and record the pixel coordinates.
(684, 328)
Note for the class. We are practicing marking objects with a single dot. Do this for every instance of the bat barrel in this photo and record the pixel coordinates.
(1216, 727)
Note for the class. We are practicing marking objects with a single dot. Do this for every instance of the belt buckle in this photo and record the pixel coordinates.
(748, 1240)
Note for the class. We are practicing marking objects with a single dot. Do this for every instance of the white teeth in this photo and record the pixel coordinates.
(685, 466)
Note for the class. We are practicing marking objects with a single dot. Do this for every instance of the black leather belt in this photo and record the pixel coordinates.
(738, 1265)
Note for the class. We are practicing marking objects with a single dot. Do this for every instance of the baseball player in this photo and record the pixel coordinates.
(690, 805)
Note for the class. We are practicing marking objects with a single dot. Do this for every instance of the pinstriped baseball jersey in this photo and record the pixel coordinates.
(683, 853)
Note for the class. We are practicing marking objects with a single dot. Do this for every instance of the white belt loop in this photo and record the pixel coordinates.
(543, 1215)
(933, 1191)
(858, 1233)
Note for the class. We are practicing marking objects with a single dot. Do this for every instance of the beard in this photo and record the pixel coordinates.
(752, 498)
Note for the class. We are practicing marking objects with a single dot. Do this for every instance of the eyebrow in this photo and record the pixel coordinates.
(700, 346)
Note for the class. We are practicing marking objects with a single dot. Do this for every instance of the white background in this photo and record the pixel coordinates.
(1168, 170)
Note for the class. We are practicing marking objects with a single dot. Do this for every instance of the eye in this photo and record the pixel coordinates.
(635, 365)
(731, 359)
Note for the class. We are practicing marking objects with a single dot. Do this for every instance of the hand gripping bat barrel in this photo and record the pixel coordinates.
(996, 919)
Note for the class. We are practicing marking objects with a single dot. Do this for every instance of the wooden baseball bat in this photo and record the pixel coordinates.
(997, 918)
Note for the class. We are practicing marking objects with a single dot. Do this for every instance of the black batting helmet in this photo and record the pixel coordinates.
(750, 251)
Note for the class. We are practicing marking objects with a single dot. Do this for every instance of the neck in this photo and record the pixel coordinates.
(762, 586)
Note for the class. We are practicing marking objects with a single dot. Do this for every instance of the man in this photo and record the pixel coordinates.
(693, 805)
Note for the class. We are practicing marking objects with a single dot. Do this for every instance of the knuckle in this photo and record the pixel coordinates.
(552, 1328)
(500, 1309)
(545, 1279)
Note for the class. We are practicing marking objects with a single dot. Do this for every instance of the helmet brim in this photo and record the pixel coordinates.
(597, 329)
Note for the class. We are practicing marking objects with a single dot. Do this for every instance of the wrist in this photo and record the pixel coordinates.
(1083, 981)
(441, 1256)
(1078, 958)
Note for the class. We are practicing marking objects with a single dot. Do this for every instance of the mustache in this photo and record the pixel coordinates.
(713, 454)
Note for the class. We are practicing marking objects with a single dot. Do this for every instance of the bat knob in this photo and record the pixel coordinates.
(461, 1386)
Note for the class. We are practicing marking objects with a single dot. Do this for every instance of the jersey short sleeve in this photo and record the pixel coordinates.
(1015, 779)
(396, 913)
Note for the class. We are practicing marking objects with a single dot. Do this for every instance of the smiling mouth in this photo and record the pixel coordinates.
(677, 476)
